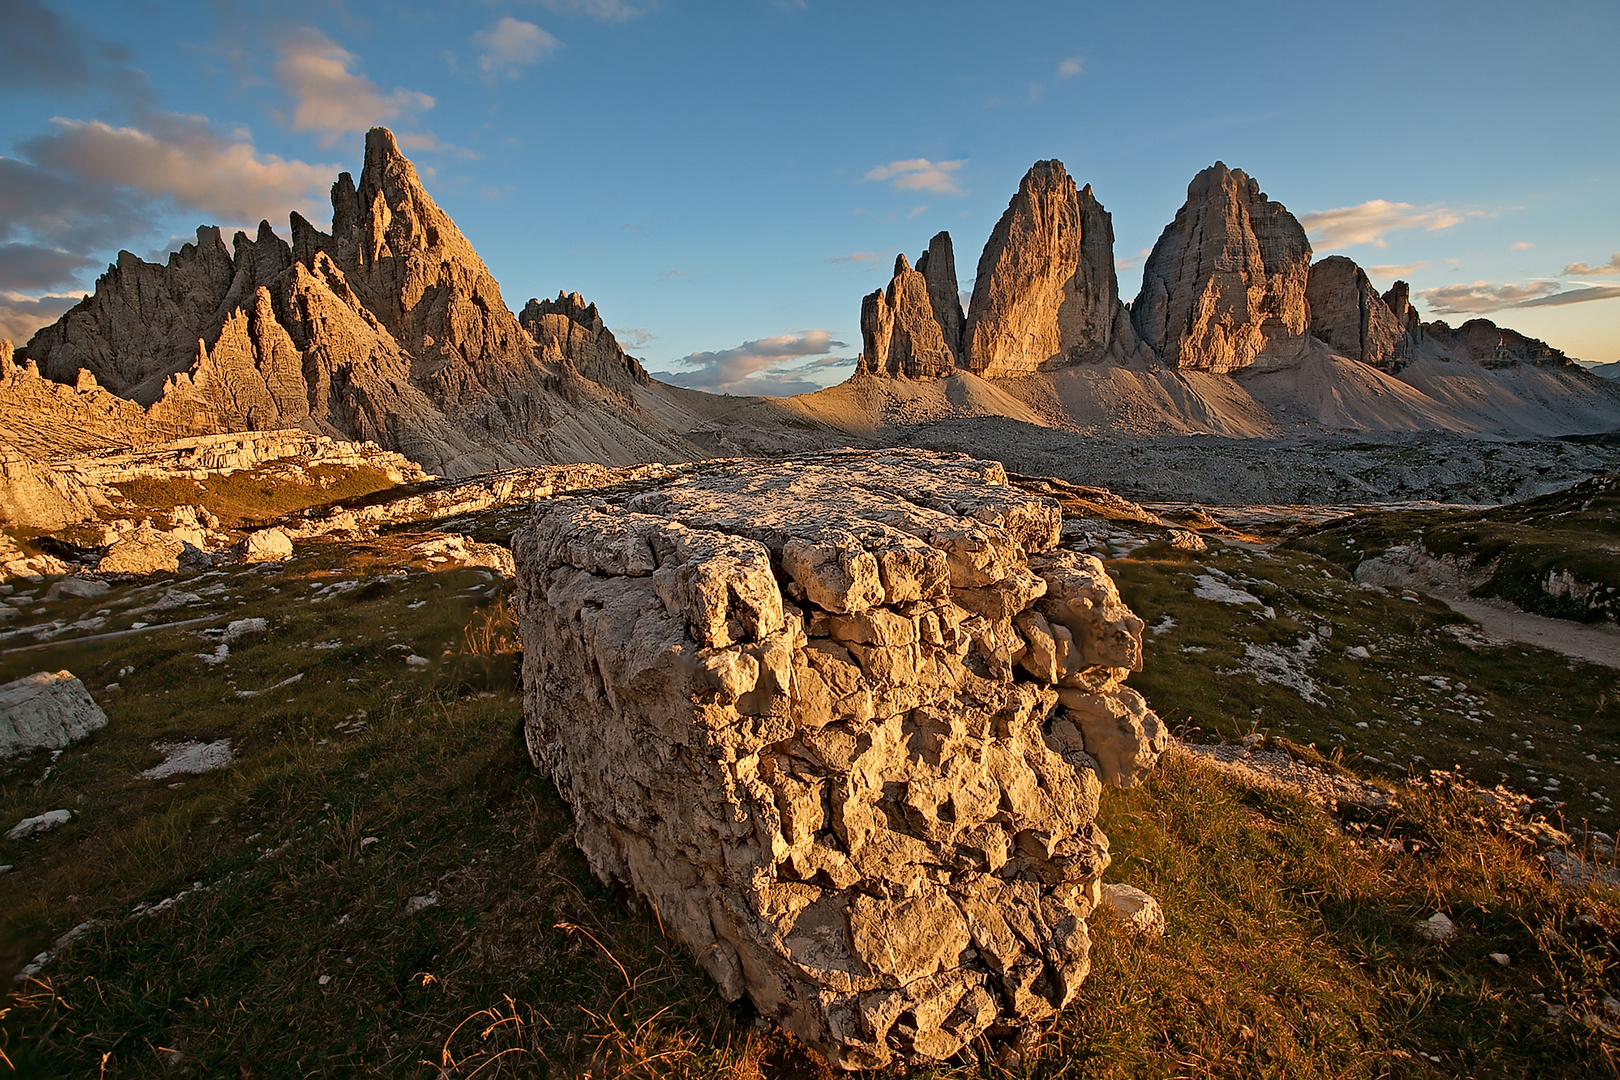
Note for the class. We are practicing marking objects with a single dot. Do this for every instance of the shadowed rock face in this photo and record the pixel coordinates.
(843, 721)
(1226, 280)
(1046, 289)
(901, 332)
(1348, 314)
(388, 329)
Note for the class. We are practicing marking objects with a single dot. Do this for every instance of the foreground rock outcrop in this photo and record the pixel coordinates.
(48, 710)
(843, 721)
(1226, 280)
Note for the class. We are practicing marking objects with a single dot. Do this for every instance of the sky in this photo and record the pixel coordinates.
(727, 179)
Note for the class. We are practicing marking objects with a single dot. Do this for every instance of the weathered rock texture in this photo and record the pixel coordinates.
(1046, 289)
(843, 721)
(901, 330)
(1226, 280)
(1494, 346)
(389, 329)
(49, 710)
(1348, 314)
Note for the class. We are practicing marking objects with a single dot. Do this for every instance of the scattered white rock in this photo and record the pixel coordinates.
(267, 545)
(324, 979)
(76, 588)
(277, 686)
(1437, 927)
(190, 758)
(1357, 652)
(1210, 588)
(416, 661)
(1140, 913)
(49, 710)
(421, 903)
(243, 627)
(457, 548)
(1502, 958)
(38, 824)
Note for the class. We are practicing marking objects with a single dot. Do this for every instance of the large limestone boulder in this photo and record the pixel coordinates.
(1046, 289)
(49, 710)
(843, 722)
(1226, 280)
(1348, 314)
(143, 550)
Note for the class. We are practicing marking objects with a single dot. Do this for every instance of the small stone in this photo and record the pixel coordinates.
(421, 903)
(267, 545)
(1140, 913)
(1437, 927)
(1501, 958)
(324, 979)
(28, 828)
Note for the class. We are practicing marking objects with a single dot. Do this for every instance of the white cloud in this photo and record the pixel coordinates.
(331, 99)
(634, 336)
(1395, 270)
(1367, 223)
(762, 366)
(1071, 67)
(1523, 245)
(182, 159)
(512, 44)
(920, 174)
(853, 257)
(1581, 269)
(601, 10)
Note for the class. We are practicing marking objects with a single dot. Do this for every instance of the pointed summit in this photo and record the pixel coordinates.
(1046, 289)
(1226, 280)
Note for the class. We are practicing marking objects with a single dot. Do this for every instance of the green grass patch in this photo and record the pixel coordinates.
(257, 495)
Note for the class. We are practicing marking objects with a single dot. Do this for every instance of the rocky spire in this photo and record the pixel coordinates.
(1046, 288)
(937, 265)
(1399, 301)
(900, 330)
(1226, 281)
(1348, 314)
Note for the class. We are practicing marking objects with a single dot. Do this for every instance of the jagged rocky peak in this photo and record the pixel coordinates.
(902, 332)
(1046, 289)
(1399, 301)
(1348, 314)
(1226, 281)
(937, 265)
(1495, 346)
(569, 330)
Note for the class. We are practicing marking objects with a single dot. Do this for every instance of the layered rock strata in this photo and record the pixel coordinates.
(843, 722)
(1226, 280)
(1349, 314)
(1046, 289)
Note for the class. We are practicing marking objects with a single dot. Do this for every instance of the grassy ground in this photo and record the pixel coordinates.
(256, 495)
(294, 947)
(1572, 534)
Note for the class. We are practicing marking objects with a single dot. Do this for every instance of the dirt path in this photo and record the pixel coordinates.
(1501, 621)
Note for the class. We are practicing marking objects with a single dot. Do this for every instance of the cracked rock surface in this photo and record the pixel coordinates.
(843, 721)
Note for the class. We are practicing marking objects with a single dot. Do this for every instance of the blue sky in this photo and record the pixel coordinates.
(726, 179)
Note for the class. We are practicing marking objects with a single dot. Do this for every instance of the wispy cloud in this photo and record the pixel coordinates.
(1071, 67)
(853, 257)
(1582, 270)
(772, 366)
(633, 336)
(1575, 296)
(425, 142)
(1482, 296)
(613, 11)
(919, 174)
(511, 45)
(1395, 270)
(1523, 245)
(1367, 223)
(329, 97)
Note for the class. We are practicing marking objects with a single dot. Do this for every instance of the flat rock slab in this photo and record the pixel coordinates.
(843, 721)
(48, 710)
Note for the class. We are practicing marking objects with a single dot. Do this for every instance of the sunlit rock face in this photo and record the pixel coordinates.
(1226, 281)
(843, 722)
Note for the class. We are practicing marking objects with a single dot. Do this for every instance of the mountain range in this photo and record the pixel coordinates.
(390, 328)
